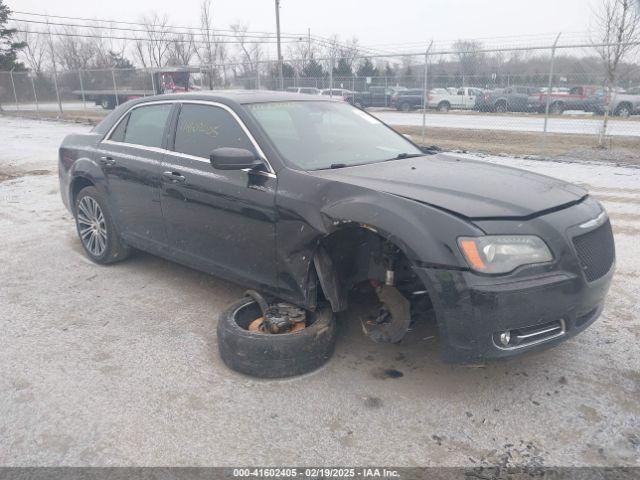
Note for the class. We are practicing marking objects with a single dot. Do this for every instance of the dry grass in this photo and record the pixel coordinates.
(526, 143)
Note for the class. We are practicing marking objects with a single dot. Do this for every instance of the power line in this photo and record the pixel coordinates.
(160, 29)
(323, 40)
(142, 24)
(169, 39)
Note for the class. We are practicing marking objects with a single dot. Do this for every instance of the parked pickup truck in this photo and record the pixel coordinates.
(627, 103)
(443, 100)
(167, 80)
(588, 98)
(510, 99)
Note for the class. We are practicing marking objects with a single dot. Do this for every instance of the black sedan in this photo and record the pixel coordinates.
(309, 199)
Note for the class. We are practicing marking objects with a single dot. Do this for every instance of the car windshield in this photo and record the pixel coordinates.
(317, 135)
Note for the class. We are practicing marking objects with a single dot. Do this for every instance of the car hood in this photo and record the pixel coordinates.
(473, 189)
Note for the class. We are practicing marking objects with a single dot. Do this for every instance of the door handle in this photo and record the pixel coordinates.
(107, 160)
(173, 177)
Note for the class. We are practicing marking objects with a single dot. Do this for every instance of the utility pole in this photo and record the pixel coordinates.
(280, 73)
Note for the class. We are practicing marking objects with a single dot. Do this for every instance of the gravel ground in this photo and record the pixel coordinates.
(119, 366)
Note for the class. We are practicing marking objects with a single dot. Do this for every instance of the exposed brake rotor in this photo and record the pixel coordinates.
(393, 317)
(278, 317)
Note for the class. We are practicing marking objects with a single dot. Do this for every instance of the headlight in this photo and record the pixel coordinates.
(503, 253)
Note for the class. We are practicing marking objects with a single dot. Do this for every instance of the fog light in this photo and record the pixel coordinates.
(505, 337)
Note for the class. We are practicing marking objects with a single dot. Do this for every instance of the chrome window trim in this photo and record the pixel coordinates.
(234, 115)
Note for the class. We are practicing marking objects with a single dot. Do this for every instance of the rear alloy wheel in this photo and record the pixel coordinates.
(556, 108)
(96, 230)
(501, 107)
(405, 107)
(623, 111)
(107, 103)
(444, 107)
(247, 346)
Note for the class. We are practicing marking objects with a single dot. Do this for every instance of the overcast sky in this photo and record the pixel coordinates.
(374, 22)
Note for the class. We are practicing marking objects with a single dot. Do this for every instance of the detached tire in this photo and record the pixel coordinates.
(274, 356)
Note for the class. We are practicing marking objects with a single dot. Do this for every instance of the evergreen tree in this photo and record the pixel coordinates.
(367, 69)
(8, 48)
(313, 69)
(343, 69)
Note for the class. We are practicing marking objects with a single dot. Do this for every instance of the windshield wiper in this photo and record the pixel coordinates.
(400, 156)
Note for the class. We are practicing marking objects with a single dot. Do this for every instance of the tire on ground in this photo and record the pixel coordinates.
(116, 250)
(274, 356)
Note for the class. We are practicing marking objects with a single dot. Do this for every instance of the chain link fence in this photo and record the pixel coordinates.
(552, 99)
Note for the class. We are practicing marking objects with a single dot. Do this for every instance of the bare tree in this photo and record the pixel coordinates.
(301, 54)
(470, 59)
(153, 47)
(36, 47)
(211, 47)
(182, 49)
(618, 24)
(250, 49)
(75, 52)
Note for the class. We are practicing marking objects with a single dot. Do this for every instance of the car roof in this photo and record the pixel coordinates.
(237, 96)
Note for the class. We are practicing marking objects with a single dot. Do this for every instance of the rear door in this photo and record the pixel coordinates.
(221, 221)
(130, 158)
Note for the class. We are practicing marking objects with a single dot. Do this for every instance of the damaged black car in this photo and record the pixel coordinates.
(306, 199)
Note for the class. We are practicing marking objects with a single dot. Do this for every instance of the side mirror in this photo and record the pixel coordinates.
(227, 158)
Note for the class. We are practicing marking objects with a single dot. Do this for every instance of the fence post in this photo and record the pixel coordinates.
(153, 82)
(13, 85)
(549, 86)
(386, 89)
(425, 92)
(331, 78)
(35, 95)
(115, 86)
(84, 100)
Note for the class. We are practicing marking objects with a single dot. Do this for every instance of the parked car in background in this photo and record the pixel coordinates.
(510, 99)
(587, 98)
(377, 96)
(407, 100)
(307, 90)
(341, 93)
(627, 103)
(460, 99)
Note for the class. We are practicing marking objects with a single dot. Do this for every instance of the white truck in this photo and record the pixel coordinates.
(463, 98)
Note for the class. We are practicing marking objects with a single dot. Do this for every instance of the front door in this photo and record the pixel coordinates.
(130, 159)
(222, 221)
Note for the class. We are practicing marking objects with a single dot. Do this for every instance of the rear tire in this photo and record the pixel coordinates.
(444, 107)
(274, 356)
(108, 103)
(501, 107)
(97, 232)
(623, 110)
(405, 107)
(556, 108)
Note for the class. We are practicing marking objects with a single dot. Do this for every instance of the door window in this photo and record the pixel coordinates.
(146, 125)
(203, 128)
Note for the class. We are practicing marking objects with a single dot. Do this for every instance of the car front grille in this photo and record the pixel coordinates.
(596, 251)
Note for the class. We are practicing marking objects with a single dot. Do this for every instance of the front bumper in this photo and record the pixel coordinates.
(472, 313)
(559, 298)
